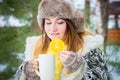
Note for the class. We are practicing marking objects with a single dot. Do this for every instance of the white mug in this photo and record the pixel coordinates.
(46, 66)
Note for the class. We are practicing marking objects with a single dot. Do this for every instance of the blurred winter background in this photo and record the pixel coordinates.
(18, 21)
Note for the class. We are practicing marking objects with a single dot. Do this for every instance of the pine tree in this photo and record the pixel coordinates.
(12, 38)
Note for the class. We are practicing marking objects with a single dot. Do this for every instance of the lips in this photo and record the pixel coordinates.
(54, 34)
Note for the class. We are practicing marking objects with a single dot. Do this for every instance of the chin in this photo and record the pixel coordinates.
(56, 38)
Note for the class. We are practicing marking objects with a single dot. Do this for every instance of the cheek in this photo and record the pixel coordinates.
(46, 28)
(63, 30)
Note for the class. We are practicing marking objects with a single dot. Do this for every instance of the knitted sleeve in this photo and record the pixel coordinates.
(96, 66)
(92, 68)
(28, 55)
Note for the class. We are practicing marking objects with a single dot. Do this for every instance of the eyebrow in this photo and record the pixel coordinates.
(49, 19)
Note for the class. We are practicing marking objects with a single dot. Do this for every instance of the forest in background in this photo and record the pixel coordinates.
(12, 38)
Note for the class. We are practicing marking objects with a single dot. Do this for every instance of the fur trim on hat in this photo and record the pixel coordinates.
(62, 9)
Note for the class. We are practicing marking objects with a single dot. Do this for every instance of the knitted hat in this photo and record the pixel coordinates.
(62, 9)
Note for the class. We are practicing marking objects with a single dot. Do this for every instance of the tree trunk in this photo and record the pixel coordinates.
(104, 7)
(87, 12)
(104, 16)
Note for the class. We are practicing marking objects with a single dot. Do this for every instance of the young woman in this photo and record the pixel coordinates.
(82, 59)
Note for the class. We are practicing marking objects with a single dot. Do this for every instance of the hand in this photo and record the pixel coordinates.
(67, 57)
(30, 67)
(71, 60)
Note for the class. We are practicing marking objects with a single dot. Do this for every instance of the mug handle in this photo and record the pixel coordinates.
(36, 71)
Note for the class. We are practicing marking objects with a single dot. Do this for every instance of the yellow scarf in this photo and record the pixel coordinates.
(58, 66)
(55, 47)
(52, 50)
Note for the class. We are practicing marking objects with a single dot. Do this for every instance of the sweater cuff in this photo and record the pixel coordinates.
(74, 64)
(76, 75)
(29, 75)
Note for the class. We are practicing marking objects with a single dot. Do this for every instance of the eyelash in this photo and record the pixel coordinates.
(58, 22)
(48, 23)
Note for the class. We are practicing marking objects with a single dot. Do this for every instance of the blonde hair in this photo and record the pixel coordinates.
(72, 39)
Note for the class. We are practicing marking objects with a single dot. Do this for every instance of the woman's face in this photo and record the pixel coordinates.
(55, 27)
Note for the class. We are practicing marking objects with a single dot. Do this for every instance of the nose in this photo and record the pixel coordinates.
(54, 28)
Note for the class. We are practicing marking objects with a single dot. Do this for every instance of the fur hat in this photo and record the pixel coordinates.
(62, 9)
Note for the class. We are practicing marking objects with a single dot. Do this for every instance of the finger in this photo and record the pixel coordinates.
(30, 68)
(29, 64)
(65, 54)
(72, 54)
(34, 64)
(68, 53)
(62, 57)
